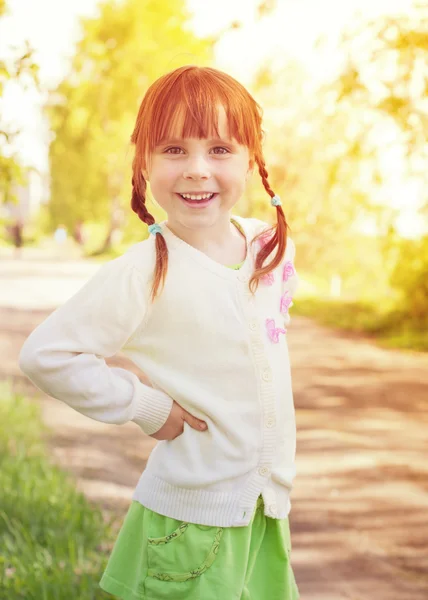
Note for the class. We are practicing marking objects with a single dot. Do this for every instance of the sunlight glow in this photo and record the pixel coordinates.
(289, 32)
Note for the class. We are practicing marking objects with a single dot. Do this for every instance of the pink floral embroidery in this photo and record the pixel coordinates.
(273, 331)
(286, 302)
(268, 279)
(288, 270)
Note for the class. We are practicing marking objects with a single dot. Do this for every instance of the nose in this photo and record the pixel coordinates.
(196, 168)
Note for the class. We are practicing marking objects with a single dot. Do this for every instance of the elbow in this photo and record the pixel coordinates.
(33, 363)
(29, 360)
(26, 361)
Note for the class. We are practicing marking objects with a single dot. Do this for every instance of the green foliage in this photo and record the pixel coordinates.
(92, 113)
(352, 315)
(51, 537)
(387, 75)
(328, 155)
(23, 70)
(11, 174)
(319, 168)
(410, 277)
(388, 325)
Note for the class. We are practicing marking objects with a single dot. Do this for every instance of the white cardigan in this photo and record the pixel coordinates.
(206, 342)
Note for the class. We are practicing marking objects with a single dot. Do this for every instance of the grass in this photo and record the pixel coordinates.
(53, 541)
(390, 327)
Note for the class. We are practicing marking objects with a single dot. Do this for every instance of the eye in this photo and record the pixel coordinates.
(226, 151)
(172, 148)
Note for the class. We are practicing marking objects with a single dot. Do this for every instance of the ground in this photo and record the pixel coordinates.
(359, 504)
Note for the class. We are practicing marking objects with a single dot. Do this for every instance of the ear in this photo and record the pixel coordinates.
(145, 174)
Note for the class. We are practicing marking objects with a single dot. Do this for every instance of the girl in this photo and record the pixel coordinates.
(201, 308)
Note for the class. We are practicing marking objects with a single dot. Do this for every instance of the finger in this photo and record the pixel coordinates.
(194, 422)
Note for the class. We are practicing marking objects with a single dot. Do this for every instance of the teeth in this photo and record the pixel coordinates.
(197, 197)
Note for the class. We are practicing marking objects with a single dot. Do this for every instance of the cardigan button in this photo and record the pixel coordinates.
(270, 422)
(267, 374)
(253, 325)
(264, 471)
(273, 509)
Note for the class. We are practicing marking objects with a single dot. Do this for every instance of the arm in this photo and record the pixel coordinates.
(65, 355)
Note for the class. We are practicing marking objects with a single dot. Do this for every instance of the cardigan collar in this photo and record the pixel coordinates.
(243, 274)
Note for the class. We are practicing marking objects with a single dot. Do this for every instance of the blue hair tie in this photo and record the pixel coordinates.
(155, 228)
(276, 201)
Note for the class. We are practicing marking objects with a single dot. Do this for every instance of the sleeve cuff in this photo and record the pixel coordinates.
(152, 410)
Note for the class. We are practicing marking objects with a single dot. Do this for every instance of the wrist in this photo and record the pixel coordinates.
(152, 409)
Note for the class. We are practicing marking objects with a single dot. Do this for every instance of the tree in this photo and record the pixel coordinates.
(92, 112)
(326, 150)
(386, 76)
(389, 84)
(17, 67)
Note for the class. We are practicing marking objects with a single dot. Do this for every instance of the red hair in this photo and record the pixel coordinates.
(188, 98)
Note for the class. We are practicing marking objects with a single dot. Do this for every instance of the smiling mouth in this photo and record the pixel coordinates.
(200, 202)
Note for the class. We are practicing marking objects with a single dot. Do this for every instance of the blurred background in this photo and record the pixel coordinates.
(344, 88)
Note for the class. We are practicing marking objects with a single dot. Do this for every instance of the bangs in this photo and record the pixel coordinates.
(187, 120)
(186, 103)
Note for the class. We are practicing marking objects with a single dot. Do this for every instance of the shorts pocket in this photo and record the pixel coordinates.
(178, 551)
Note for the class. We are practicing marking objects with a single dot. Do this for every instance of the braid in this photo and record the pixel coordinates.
(264, 175)
(277, 240)
(138, 204)
(138, 201)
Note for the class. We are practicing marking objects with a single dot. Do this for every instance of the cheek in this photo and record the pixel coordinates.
(164, 180)
(233, 175)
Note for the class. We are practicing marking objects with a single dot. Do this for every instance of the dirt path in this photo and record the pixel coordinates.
(359, 505)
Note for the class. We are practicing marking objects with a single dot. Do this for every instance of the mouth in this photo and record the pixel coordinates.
(198, 203)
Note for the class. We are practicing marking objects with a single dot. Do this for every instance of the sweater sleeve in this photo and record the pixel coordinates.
(65, 355)
(290, 281)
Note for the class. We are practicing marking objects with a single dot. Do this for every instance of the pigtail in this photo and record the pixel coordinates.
(275, 237)
(138, 205)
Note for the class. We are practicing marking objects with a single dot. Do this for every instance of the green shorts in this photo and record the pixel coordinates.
(159, 558)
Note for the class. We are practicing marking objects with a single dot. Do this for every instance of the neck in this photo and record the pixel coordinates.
(221, 241)
(203, 238)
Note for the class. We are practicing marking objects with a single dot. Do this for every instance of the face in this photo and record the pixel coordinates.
(220, 167)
